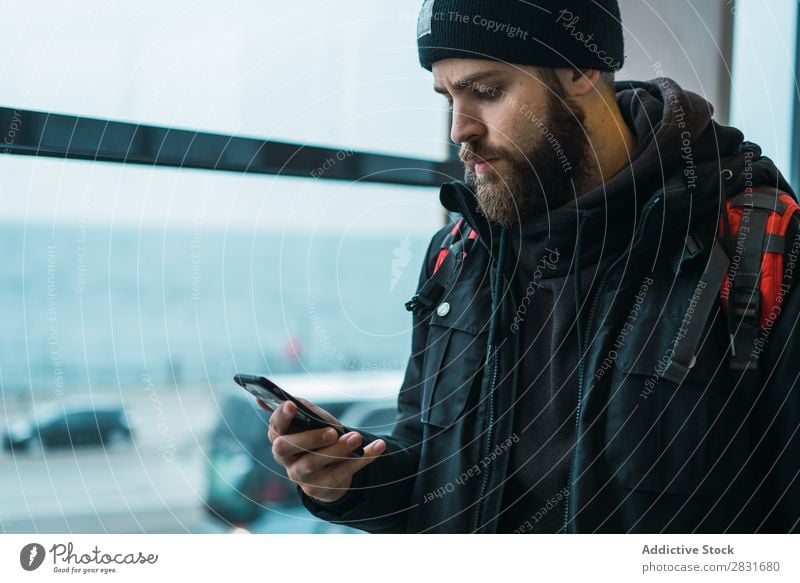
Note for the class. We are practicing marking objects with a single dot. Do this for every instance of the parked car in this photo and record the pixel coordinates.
(246, 487)
(68, 424)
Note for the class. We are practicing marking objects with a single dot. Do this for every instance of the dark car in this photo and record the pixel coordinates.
(68, 425)
(243, 479)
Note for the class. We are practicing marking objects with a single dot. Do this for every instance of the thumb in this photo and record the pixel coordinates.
(340, 475)
(371, 452)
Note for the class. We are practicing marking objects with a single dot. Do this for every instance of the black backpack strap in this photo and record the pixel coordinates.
(744, 298)
(453, 251)
(701, 305)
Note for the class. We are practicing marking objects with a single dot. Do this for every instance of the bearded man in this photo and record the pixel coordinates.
(595, 347)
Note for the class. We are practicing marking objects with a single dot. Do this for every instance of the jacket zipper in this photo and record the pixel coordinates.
(581, 373)
(489, 435)
(492, 353)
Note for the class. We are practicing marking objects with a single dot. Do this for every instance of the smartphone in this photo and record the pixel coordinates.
(273, 396)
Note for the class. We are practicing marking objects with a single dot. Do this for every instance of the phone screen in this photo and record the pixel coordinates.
(273, 396)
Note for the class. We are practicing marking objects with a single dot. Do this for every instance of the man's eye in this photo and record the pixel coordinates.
(488, 94)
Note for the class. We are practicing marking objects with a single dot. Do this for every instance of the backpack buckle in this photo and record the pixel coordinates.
(746, 296)
(692, 247)
(676, 371)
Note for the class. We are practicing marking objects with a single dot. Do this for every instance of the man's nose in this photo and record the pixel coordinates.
(466, 127)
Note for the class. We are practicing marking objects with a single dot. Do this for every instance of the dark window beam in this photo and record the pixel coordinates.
(35, 133)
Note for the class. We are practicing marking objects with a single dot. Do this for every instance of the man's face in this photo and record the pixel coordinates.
(523, 143)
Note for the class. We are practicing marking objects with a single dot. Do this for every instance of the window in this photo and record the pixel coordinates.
(193, 191)
(764, 89)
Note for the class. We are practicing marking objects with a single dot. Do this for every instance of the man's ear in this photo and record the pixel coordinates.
(579, 82)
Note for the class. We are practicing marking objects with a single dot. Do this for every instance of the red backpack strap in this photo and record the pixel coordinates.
(752, 290)
(449, 241)
(444, 249)
(452, 252)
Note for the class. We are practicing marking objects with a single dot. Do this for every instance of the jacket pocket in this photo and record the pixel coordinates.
(663, 436)
(453, 363)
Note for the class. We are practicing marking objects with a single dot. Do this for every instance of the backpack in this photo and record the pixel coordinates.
(753, 232)
(746, 266)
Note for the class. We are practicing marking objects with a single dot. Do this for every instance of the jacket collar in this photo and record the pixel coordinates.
(458, 197)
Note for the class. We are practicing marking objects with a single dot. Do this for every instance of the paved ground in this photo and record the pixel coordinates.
(152, 485)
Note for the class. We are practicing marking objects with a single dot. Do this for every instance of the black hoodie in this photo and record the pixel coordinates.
(664, 118)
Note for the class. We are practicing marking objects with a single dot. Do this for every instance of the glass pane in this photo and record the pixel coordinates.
(763, 89)
(154, 287)
(310, 72)
(191, 276)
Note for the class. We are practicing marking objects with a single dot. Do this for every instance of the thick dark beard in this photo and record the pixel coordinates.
(538, 179)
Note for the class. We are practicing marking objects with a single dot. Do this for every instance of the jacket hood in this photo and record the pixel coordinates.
(677, 142)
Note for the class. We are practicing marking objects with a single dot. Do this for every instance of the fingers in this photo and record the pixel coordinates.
(264, 406)
(282, 417)
(333, 480)
(285, 447)
(321, 413)
(352, 465)
(319, 460)
(297, 459)
(280, 420)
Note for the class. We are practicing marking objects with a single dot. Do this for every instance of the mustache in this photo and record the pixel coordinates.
(470, 156)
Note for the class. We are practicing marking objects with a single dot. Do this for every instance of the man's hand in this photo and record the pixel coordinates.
(316, 460)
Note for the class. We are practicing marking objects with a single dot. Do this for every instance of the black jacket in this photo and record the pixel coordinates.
(717, 452)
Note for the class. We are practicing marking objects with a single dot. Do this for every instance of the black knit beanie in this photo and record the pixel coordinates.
(584, 34)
